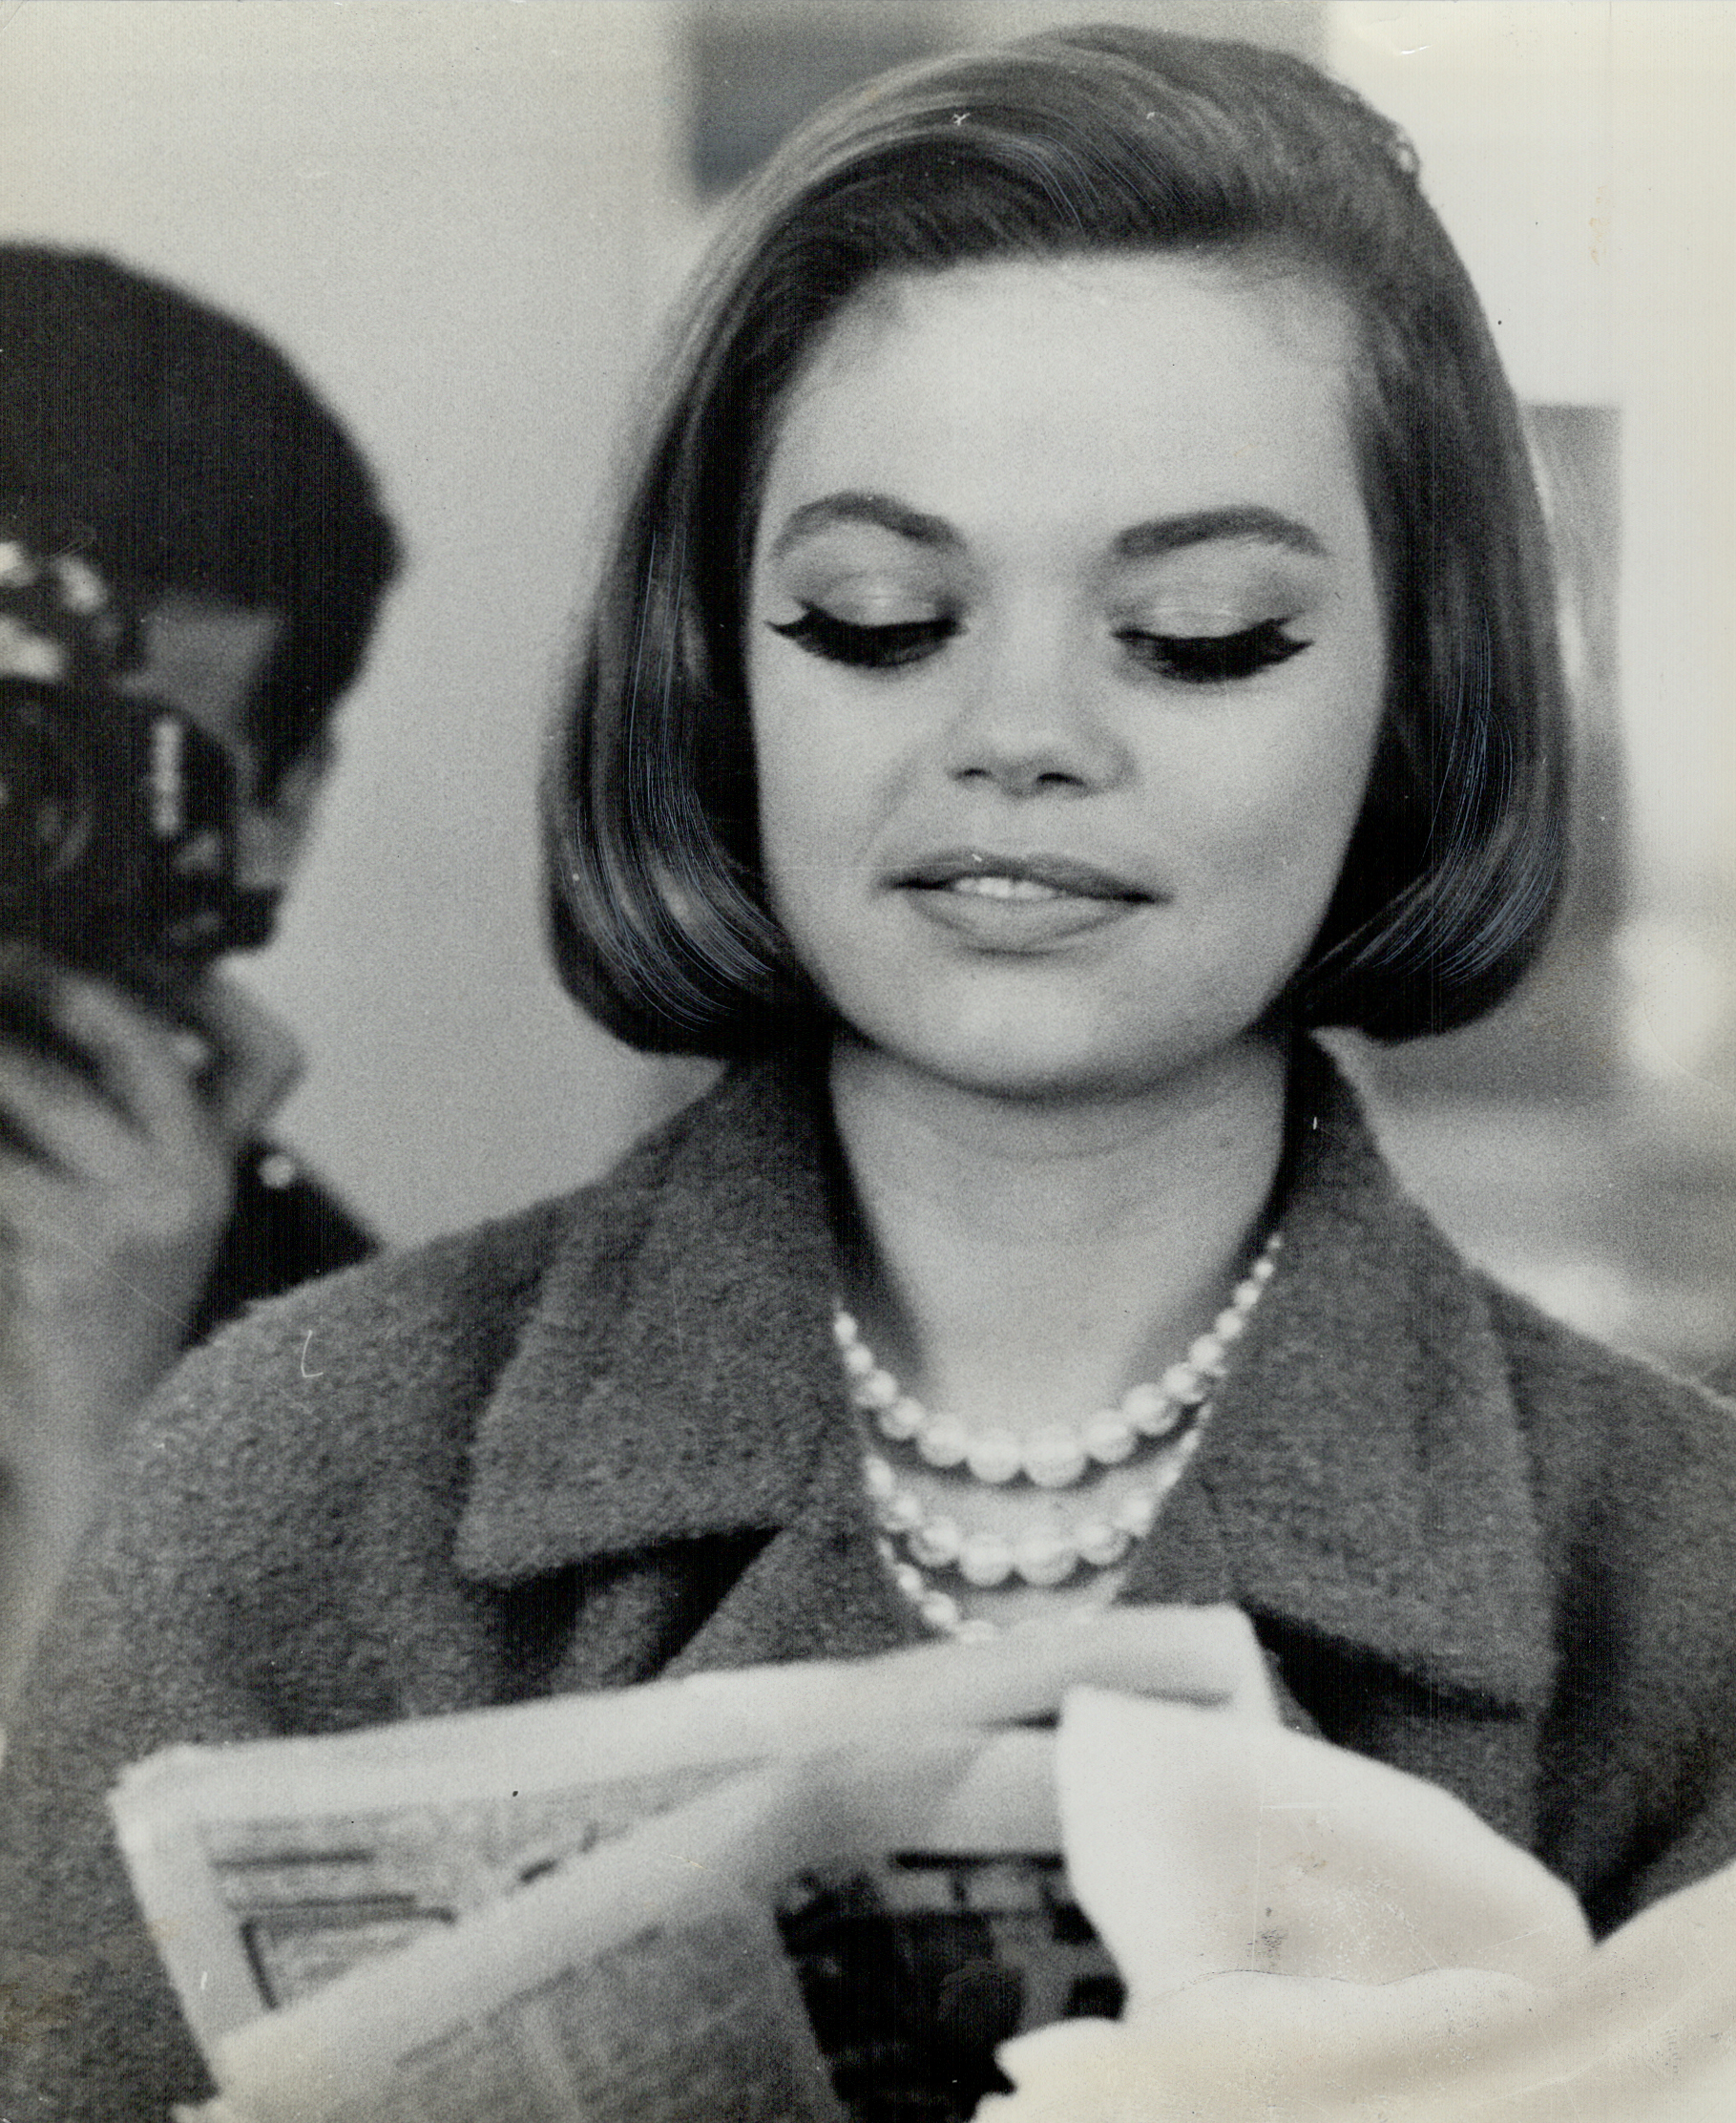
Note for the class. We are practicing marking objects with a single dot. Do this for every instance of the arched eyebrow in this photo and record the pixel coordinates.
(853, 507)
(1240, 523)
(1245, 523)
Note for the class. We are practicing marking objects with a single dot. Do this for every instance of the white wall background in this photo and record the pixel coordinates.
(453, 214)
(1583, 158)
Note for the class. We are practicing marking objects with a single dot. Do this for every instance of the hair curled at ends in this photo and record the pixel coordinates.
(1077, 141)
(180, 452)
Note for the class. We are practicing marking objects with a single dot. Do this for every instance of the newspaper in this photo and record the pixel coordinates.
(791, 1894)
(638, 1904)
(644, 1981)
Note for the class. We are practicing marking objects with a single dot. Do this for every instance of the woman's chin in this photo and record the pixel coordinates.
(1056, 1066)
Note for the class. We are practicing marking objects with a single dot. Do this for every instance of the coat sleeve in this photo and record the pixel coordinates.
(276, 1557)
(136, 1658)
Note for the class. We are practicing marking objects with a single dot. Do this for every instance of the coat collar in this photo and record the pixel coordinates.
(1363, 1476)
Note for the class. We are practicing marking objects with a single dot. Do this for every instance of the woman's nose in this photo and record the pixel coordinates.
(1027, 722)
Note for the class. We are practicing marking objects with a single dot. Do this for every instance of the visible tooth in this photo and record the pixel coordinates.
(994, 886)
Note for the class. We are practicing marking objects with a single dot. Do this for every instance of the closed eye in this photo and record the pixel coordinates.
(874, 649)
(1211, 659)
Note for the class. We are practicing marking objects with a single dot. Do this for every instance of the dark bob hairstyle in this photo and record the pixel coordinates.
(1077, 141)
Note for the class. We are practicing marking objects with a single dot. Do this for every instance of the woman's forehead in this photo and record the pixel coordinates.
(1112, 386)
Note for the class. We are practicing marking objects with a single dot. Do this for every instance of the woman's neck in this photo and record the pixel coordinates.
(1030, 1260)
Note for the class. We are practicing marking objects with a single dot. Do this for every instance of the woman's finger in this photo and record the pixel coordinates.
(1206, 1656)
(255, 1060)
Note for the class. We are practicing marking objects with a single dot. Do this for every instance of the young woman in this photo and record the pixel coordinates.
(1078, 624)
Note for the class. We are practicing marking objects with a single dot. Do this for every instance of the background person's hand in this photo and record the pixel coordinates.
(119, 1133)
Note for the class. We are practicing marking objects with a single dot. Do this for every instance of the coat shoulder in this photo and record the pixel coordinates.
(409, 1334)
(1634, 1476)
(1580, 1401)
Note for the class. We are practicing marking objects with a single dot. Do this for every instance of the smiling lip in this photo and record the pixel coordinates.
(1055, 876)
(1016, 902)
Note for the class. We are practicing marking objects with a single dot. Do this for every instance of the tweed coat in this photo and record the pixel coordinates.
(606, 1439)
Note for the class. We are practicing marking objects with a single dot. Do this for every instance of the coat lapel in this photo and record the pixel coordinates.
(1362, 1478)
(673, 1381)
(1364, 1473)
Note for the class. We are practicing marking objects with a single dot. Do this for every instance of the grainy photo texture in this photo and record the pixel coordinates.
(868, 1060)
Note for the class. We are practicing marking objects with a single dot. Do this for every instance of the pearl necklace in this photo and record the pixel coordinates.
(1172, 1413)
(1060, 1455)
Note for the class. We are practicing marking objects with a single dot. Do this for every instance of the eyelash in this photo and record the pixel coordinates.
(1213, 659)
(872, 648)
(1190, 660)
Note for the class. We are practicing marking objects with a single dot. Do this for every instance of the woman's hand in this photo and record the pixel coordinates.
(1253, 2049)
(1642, 2033)
(1207, 1656)
(1422, 1970)
(1198, 1846)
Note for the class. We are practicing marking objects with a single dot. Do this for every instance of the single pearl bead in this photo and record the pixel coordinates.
(909, 1580)
(858, 1361)
(844, 1330)
(996, 1455)
(1100, 1543)
(1181, 1383)
(935, 1543)
(943, 1441)
(1135, 1513)
(1109, 1437)
(941, 1612)
(878, 1390)
(1043, 1556)
(1163, 1421)
(1206, 1354)
(986, 1559)
(900, 1512)
(1228, 1325)
(1141, 1404)
(882, 1481)
(902, 1420)
(1263, 1268)
(1054, 1458)
(1247, 1294)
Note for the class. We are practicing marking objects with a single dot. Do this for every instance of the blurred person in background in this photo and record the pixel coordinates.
(191, 559)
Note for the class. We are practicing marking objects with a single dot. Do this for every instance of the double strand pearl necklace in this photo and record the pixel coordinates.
(1169, 1415)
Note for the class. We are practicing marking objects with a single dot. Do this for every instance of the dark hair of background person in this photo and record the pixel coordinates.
(178, 451)
(1068, 143)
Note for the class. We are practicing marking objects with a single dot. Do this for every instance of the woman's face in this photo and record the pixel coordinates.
(1065, 657)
